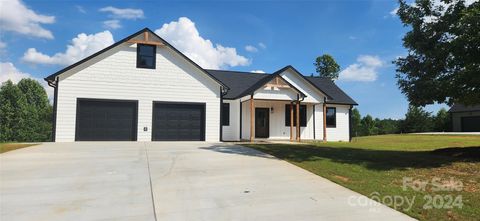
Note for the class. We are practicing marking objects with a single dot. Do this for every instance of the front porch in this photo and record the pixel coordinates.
(279, 120)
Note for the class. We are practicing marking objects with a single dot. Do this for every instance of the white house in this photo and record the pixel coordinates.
(143, 89)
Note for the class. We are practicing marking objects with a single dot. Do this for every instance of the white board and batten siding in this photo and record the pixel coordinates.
(232, 131)
(114, 75)
(342, 130)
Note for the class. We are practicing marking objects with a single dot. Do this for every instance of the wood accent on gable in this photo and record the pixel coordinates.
(146, 40)
(277, 82)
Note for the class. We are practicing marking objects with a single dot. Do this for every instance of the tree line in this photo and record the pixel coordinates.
(416, 120)
(25, 112)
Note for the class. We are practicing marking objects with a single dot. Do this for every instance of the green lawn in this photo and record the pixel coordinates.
(4, 147)
(379, 164)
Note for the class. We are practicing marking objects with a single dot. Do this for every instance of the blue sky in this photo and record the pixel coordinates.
(363, 36)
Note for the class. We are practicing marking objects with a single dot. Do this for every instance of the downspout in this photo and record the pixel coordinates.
(314, 137)
(55, 103)
(240, 138)
(350, 124)
(223, 92)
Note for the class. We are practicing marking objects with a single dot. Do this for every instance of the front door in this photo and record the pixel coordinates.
(261, 122)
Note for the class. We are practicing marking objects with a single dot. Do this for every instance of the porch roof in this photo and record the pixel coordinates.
(242, 83)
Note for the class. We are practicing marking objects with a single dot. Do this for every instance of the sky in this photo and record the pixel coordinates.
(38, 38)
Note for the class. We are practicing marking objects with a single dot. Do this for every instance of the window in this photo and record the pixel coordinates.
(303, 115)
(331, 117)
(225, 114)
(146, 56)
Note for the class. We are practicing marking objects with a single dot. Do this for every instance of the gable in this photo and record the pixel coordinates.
(144, 36)
(294, 78)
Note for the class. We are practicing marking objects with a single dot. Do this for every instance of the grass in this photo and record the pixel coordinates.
(379, 164)
(4, 147)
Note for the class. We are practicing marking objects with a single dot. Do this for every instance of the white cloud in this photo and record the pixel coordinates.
(16, 17)
(112, 24)
(394, 11)
(124, 13)
(80, 9)
(81, 46)
(3, 45)
(258, 71)
(262, 45)
(251, 48)
(365, 69)
(9, 72)
(352, 37)
(185, 37)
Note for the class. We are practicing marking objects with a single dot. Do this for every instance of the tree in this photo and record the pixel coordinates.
(442, 121)
(356, 124)
(12, 111)
(25, 112)
(417, 120)
(326, 66)
(443, 45)
(368, 126)
(387, 126)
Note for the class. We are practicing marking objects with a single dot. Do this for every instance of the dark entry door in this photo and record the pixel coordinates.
(178, 121)
(106, 120)
(262, 122)
(471, 124)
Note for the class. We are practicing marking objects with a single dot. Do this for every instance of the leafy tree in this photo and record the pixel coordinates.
(443, 45)
(387, 126)
(356, 124)
(326, 66)
(25, 112)
(12, 111)
(442, 121)
(417, 120)
(368, 126)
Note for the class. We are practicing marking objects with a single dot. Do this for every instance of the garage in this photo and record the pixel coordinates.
(471, 124)
(106, 120)
(178, 121)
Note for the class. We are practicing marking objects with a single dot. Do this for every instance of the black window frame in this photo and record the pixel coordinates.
(327, 121)
(225, 114)
(139, 56)
(303, 115)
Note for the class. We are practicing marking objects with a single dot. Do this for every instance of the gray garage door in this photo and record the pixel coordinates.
(106, 120)
(178, 121)
(471, 124)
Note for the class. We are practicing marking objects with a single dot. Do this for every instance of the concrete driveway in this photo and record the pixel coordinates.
(169, 181)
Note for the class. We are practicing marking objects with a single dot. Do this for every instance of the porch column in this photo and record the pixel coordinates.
(298, 121)
(324, 122)
(291, 122)
(252, 115)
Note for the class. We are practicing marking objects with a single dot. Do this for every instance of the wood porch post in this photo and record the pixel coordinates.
(324, 122)
(291, 122)
(252, 115)
(298, 121)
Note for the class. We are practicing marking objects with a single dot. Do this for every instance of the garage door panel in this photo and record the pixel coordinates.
(177, 122)
(106, 120)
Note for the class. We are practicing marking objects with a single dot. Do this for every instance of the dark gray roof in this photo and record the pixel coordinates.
(237, 81)
(241, 83)
(463, 108)
(336, 94)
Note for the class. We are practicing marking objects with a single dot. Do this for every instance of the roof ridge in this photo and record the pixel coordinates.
(247, 72)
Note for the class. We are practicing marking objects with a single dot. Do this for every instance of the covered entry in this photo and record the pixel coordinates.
(106, 120)
(178, 121)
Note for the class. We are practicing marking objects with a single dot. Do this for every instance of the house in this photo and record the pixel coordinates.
(465, 118)
(143, 89)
